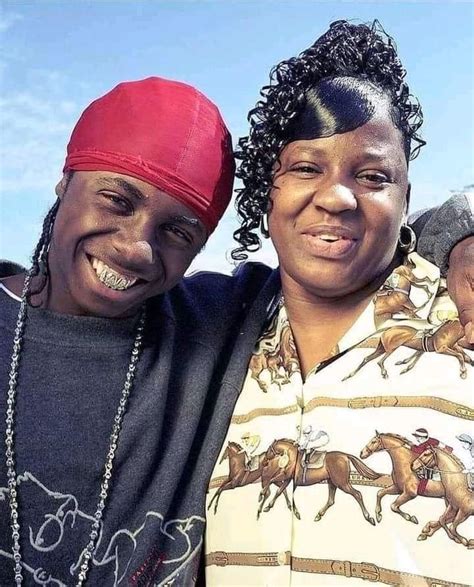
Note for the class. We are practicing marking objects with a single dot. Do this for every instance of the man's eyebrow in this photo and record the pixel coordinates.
(130, 189)
(182, 219)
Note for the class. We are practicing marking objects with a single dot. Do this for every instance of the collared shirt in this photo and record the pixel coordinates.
(311, 517)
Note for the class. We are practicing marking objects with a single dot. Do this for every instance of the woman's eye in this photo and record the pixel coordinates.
(374, 177)
(118, 201)
(305, 169)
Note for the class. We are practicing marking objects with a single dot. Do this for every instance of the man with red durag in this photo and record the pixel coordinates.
(110, 383)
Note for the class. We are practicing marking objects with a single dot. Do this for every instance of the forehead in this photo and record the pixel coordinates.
(377, 138)
(137, 189)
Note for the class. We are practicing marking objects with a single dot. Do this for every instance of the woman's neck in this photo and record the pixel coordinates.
(318, 322)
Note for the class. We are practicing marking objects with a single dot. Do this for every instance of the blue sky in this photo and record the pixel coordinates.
(58, 56)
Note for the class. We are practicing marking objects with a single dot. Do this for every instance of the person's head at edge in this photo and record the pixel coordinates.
(148, 174)
(327, 159)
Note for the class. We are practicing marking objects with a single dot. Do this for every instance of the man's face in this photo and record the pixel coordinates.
(117, 241)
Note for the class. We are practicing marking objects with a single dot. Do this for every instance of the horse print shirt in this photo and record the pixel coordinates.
(360, 473)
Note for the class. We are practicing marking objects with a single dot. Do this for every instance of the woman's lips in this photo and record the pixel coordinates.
(333, 247)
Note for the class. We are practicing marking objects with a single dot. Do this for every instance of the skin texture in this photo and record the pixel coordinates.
(133, 227)
(355, 182)
(461, 283)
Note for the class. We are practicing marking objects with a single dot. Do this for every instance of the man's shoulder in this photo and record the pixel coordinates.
(215, 302)
(247, 277)
(216, 292)
(9, 268)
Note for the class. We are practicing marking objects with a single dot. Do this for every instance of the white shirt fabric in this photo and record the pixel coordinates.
(281, 548)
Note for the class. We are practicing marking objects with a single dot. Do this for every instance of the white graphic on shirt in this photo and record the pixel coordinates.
(61, 522)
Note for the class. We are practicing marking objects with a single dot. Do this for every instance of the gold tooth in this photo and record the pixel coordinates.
(114, 280)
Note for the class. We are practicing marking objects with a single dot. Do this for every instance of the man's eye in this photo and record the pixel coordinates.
(119, 202)
(177, 233)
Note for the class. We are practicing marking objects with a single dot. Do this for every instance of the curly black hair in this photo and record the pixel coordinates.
(362, 51)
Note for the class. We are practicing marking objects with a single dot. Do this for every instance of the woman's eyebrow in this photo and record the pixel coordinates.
(372, 152)
(126, 186)
(375, 154)
(311, 151)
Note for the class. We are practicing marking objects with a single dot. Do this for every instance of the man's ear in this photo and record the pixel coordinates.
(60, 188)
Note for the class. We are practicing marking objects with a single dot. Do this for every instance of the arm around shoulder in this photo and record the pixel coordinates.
(440, 229)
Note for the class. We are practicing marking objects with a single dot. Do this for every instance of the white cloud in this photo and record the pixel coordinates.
(7, 20)
(35, 124)
(37, 115)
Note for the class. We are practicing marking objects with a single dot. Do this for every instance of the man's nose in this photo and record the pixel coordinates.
(143, 250)
(135, 252)
(335, 197)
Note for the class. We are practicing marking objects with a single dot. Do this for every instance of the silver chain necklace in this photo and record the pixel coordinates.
(10, 445)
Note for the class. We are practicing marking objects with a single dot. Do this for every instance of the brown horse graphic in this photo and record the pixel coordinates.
(288, 352)
(444, 340)
(394, 296)
(273, 356)
(238, 475)
(459, 498)
(405, 480)
(262, 361)
(283, 463)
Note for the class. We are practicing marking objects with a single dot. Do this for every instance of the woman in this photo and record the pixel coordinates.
(326, 161)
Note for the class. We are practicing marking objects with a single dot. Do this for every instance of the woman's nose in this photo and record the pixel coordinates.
(335, 198)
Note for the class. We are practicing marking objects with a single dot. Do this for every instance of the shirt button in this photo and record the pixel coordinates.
(281, 558)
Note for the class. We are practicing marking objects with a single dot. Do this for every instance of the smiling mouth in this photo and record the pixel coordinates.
(111, 278)
(331, 238)
(329, 245)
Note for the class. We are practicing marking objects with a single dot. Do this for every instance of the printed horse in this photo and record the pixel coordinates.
(280, 471)
(288, 352)
(282, 356)
(459, 498)
(262, 361)
(444, 340)
(405, 480)
(395, 298)
(239, 475)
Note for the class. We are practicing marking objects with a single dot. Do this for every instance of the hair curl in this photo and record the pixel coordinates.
(363, 51)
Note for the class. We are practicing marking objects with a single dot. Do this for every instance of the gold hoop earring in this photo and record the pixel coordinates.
(407, 239)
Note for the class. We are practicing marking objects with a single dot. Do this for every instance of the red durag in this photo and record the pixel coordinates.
(165, 133)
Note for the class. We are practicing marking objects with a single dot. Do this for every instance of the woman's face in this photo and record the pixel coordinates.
(337, 206)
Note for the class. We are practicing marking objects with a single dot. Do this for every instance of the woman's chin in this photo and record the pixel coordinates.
(337, 284)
